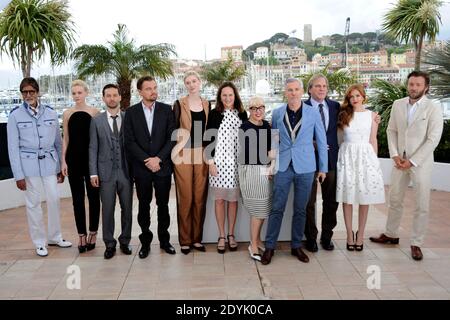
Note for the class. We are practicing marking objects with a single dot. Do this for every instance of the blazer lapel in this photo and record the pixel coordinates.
(185, 107)
(206, 107)
(122, 117)
(143, 122)
(419, 110)
(156, 117)
(281, 124)
(106, 127)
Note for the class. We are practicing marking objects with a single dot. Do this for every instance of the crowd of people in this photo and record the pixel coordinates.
(226, 153)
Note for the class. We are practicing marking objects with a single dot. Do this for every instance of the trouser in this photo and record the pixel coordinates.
(329, 208)
(77, 187)
(281, 188)
(144, 189)
(34, 209)
(118, 184)
(421, 178)
(191, 181)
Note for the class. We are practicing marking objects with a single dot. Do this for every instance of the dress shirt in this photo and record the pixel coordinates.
(111, 121)
(326, 110)
(149, 112)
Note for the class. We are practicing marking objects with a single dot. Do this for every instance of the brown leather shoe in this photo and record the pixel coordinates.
(416, 253)
(267, 256)
(298, 252)
(384, 239)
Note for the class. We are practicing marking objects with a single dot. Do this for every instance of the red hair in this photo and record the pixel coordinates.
(346, 112)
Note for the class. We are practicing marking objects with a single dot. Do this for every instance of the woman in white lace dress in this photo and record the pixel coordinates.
(359, 177)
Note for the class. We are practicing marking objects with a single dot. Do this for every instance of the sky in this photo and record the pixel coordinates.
(199, 28)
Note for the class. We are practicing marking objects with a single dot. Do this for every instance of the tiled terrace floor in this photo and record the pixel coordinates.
(329, 275)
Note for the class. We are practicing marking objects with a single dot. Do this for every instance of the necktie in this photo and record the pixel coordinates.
(115, 128)
(322, 115)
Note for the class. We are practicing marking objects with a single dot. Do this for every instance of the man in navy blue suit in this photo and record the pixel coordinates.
(329, 110)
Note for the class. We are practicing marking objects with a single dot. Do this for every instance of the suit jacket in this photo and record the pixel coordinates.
(418, 139)
(101, 147)
(301, 151)
(140, 144)
(332, 137)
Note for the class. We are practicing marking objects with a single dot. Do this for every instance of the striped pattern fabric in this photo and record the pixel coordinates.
(256, 190)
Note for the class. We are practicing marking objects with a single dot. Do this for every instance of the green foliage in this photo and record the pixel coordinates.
(30, 29)
(338, 81)
(442, 152)
(438, 61)
(263, 61)
(412, 21)
(385, 95)
(312, 50)
(217, 73)
(123, 59)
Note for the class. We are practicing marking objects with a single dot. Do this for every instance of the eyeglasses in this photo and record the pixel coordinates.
(28, 92)
(260, 108)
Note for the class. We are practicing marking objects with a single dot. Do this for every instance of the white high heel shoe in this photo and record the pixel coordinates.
(254, 256)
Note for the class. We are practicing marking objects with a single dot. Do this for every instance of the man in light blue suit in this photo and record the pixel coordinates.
(298, 125)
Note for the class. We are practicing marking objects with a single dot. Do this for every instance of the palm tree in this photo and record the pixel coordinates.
(30, 29)
(412, 21)
(124, 60)
(438, 63)
(385, 95)
(338, 81)
(219, 72)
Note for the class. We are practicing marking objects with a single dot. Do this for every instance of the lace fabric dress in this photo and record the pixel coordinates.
(359, 177)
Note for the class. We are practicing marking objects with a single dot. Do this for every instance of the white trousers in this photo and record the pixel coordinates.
(421, 178)
(34, 210)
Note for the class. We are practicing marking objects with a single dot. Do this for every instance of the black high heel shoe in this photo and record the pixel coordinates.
(351, 247)
(89, 244)
(359, 247)
(82, 247)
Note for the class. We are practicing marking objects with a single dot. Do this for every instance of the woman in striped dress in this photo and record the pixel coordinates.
(255, 177)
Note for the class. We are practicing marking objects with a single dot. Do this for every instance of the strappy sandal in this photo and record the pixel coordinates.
(358, 247)
(232, 247)
(221, 249)
(351, 247)
(82, 247)
(91, 245)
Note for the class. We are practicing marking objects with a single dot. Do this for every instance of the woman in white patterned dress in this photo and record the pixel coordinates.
(226, 117)
(359, 177)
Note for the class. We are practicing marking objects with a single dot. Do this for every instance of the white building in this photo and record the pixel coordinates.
(262, 53)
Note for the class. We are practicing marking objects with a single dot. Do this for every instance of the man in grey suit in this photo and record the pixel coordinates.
(109, 170)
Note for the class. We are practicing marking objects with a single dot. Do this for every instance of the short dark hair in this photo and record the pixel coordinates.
(422, 74)
(109, 86)
(237, 99)
(142, 80)
(29, 81)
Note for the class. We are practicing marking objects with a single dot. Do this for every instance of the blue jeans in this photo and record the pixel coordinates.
(302, 189)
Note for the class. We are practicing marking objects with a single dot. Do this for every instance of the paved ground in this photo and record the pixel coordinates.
(329, 275)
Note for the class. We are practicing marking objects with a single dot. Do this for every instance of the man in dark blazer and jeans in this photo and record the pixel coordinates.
(329, 110)
(148, 129)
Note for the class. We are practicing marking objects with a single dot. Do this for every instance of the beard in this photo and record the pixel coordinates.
(114, 106)
(416, 95)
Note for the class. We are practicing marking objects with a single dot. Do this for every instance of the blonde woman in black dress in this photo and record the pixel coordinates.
(75, 164)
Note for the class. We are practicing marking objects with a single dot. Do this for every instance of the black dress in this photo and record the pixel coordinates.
(77, 159)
